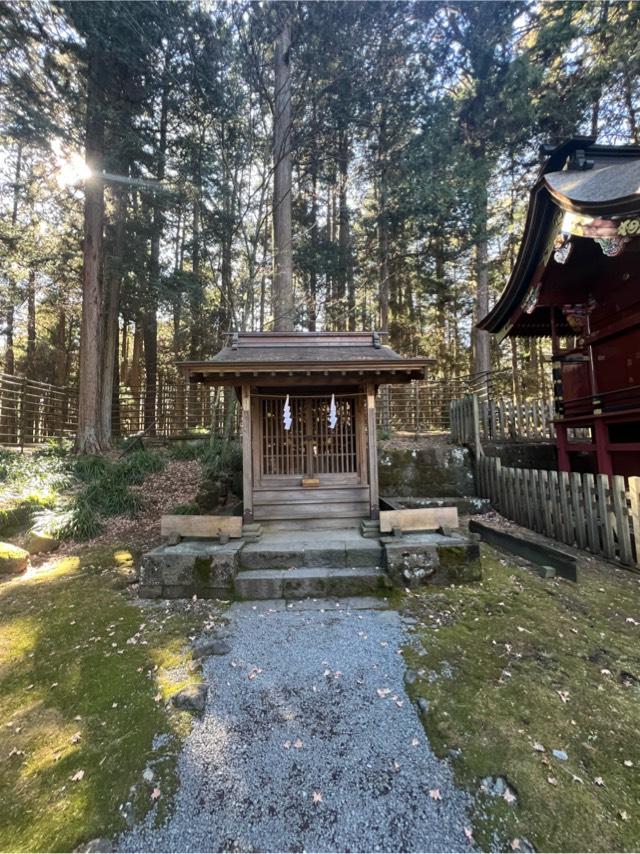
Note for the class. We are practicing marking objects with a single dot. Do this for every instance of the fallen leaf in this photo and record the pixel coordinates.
(287, 745)
(515, 844)
(599, 781)
(509, 797)
(435, 794)
(383, 692)
(415, 742)
(552, 781)
(155, 794)
(468, 833)
(77, 776)
(317, 797)
(624, 815)
(564, 696)
(158, 697)
(628, 763)
(75, 738)
(538, 747)
(298, 743)
(254, 672)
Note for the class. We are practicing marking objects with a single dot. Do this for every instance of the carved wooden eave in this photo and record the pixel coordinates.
(577, 177)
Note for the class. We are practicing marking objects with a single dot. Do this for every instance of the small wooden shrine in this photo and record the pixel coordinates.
(577, 280)
(308, 420)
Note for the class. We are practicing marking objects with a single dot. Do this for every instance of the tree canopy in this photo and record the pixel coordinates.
(174, 171)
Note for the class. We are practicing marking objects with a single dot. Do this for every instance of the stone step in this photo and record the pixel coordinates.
(309, 581)
(331, 549)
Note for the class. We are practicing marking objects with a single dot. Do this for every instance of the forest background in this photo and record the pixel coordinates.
(171, 171)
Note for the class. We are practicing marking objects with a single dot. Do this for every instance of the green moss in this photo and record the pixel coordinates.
(10, 552)
(517, 660)
(202, 571)
(82, 692)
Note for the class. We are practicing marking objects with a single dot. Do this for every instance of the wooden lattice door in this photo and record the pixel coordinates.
(310, 448)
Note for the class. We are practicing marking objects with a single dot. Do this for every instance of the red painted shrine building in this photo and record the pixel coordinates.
(577, 280)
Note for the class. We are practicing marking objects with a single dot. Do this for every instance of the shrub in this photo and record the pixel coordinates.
(110, 495)
(138, 464)
(90, 468)
(190, 451)
(189, 509)
(79, 522)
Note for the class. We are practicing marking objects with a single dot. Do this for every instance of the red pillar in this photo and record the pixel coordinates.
(564, 463)
(603, 457)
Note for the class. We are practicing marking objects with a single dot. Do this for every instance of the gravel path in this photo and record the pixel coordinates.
(309, 743)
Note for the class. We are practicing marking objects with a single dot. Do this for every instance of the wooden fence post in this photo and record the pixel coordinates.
(634, 500)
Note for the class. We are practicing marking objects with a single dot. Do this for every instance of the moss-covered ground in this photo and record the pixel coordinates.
(515, 667)
(85, 676)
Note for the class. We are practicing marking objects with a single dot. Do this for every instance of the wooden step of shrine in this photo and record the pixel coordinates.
(309, 581)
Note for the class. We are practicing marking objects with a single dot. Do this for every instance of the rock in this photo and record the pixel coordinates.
(495, 786)
(13, 560)
(423, 705)
(561, 755)
(96, 846)
(37, 542)
(410, 677)
(210, 646)
(148, 775)
(191, 699)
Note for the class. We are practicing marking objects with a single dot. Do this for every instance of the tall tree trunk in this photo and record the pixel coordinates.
(149, 318)
(110, 311)
(283, 300)
(60, 368)
(632, 115)
(312, 297)
(263, 277)
(481, 351)
(135, 374)
(87, 436)
(346, 283)
(383, 229)
(9, 356)
(31, 324)
(150, 337)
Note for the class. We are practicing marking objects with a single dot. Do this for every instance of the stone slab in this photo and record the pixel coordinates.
(420, 559)
(306, 582)
(259, 584)
(203, 568)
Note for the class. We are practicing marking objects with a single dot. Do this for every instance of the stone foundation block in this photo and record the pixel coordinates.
(420, 559)
(191, 567)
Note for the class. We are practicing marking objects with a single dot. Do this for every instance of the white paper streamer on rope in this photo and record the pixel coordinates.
(333, 415)
(287, 415)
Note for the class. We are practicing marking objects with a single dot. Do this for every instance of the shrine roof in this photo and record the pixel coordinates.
(577, 177)
(254, 355)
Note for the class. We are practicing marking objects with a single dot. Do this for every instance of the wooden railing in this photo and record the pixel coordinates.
(594, 512)
(472, 418)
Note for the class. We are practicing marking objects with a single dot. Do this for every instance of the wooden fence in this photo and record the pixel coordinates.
(472, 418)
(33, 413)
(594, 512)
